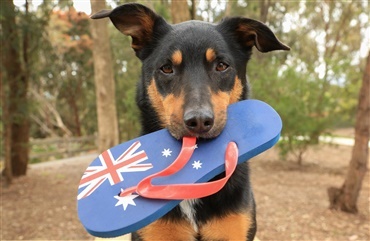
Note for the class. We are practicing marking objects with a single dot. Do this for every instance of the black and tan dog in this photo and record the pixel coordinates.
(191, 72)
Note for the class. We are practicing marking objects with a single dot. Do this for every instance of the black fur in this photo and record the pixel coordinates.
(197, 80)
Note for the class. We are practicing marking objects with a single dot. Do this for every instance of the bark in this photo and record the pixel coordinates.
(6, 130)
(17, 78)
(148, 3)
(345, 198)
(104, 80)
(193, 9)
(229, 5)
(76, 116)
(264, 9)
(264, 6)
(72, 102)
(51, 118)
(179, 11)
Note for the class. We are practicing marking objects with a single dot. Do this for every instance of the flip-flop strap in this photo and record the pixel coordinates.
(187, 149)
(188, 191)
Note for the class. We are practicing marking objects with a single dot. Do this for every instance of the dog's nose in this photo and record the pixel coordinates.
(198, 121)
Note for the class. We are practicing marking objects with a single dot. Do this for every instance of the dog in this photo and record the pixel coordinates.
(191, 72)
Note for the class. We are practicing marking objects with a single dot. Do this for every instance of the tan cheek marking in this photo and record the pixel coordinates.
(165, 230)
(220, 101)
(157, 101)
(177, 57)
(169, 108)
(231, 227)
(236, 91)
(173, 106)
(210, 55)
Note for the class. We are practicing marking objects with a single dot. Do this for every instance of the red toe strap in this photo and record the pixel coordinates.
(188, 191)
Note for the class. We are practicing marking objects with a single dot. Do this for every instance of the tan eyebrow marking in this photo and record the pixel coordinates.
(177, 57)
(210, 55)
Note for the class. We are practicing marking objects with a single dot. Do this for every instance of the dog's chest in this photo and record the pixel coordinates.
(188, 210)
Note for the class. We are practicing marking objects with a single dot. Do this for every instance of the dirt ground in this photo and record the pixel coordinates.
(292, 200)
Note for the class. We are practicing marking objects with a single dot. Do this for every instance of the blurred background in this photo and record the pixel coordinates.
(50, 108)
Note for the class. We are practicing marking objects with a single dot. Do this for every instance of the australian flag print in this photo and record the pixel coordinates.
(253, 125)
(111, 169)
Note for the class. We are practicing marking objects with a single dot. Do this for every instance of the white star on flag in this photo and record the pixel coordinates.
(195, 146)
(197, 164)
(166, 152)
(126, 200)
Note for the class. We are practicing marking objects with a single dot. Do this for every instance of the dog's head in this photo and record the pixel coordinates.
(191, 71)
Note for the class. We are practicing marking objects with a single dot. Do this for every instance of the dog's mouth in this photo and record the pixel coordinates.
(202, 127)
(208, 135)
(179, 134)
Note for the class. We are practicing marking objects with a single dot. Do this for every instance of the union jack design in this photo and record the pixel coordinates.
(111, 169)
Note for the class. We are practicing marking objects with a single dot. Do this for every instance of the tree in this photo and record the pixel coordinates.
(180, 11)
(104, 81)
(127, 74)
(15, 61)
(64, 91)
(6, 132)
(22, 37)
(315, 74)
(345, 198)
(193, 9)
(76, 57)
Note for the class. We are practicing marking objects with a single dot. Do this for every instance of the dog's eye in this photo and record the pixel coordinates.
(221, 66)
(167, 69)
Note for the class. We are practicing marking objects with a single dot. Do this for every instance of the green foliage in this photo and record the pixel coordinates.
(162, 10)
(127, 73)
(294, 97)
(64, 90)
(127, 69)
(313, 87)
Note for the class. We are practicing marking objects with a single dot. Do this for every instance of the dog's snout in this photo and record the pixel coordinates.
(199, 121)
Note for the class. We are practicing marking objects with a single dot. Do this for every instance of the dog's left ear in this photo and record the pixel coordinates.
(251, 33)
(137, 21)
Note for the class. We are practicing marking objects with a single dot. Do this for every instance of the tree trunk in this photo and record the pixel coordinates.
(264, 9)
(17, 79)
(193, 9)
(345, 198)
(179, 11)
(76, 116)
(6, 135)
(228, 9)
(104, 81)
(74, 91)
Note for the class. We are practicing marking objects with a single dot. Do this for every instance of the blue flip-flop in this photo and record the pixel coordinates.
(104, 212)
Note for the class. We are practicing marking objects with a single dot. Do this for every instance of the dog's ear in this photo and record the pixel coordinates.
(251, 33)
(137, 21)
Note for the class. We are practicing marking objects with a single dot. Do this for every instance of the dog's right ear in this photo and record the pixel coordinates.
(137, 21)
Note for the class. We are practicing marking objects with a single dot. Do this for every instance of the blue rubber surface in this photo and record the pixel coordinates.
(252, 124)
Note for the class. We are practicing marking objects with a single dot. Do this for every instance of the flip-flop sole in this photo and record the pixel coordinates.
(253, 125)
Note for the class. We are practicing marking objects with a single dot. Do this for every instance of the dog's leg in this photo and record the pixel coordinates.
(234, 226)
(174, 230)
